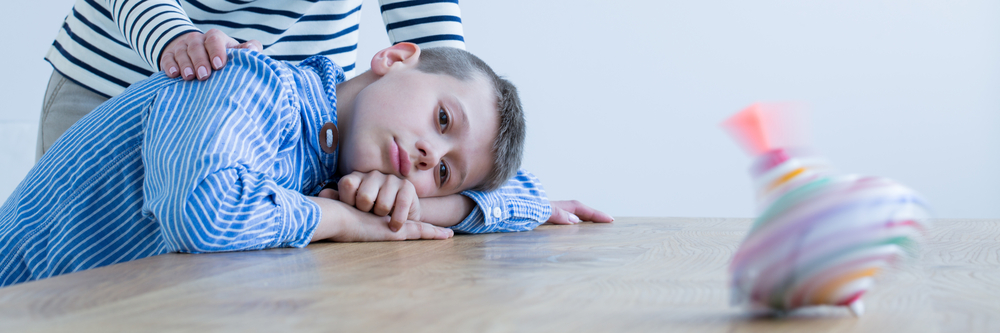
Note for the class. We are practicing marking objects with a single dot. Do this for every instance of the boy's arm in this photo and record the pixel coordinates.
(473, 212)
(518, 205)
(343, 223)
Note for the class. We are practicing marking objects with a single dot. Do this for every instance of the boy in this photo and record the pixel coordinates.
(224, 164)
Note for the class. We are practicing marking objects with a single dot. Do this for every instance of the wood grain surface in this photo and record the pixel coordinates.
(638, 274)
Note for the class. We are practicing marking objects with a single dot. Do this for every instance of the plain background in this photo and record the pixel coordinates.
(624, 98)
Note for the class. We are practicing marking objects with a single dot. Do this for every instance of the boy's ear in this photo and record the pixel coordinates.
(402, 53)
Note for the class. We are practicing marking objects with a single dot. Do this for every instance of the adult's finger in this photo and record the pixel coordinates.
(175, 51)
(169, 65)
(216, 43)
(199, 58)
(184, 63)
(252, 44)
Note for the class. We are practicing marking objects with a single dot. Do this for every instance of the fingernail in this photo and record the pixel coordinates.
(172, 71)
(217, 62)
(202, 72)
(573, 218)
(188, 71)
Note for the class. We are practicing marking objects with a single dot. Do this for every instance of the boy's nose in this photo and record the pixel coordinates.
(427, 155)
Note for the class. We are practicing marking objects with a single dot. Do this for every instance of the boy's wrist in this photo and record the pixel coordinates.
(446, 211)
(331, 219)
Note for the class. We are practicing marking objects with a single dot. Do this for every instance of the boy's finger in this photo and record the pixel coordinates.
(413, 213)
(583, 212)
(348, 188)
(395, 225)
(559, 216)
(387, 198)
(401, 210)
(421, 230)
(589, 214)
(329, 193)
(368, 191)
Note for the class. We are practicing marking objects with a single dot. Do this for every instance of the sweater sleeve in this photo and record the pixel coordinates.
(210, 149)
(519, 205)
(148, 26)
(428, 23)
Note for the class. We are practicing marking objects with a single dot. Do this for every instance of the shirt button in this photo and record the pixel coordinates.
(328, 138)
(497, 213)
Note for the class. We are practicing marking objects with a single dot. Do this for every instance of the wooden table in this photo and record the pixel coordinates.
(638, 274)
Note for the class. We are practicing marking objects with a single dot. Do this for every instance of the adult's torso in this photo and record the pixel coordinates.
(96, 52)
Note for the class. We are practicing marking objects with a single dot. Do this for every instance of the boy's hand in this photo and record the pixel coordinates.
(343, 223)
(573, 212)
(381, 195)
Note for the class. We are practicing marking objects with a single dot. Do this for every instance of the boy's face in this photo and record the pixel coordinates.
(432, 129)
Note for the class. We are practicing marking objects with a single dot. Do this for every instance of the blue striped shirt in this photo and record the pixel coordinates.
(199, 166)
(106, 45)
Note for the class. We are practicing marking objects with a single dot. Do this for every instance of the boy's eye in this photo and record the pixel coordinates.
(442, 119)
(442, 173)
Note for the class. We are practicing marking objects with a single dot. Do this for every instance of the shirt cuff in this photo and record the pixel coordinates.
(151, 25)
(488, 212)
(298, 217)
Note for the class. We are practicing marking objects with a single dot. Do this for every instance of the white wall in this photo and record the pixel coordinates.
(624, 97)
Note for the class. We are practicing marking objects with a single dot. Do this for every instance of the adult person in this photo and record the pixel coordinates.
(105, 46)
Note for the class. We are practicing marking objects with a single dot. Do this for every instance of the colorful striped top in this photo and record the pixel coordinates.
(106, 45)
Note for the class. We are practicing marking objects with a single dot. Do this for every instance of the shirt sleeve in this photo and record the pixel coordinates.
(149, 26)
(428, 23)
(519, 205)
(209, 152)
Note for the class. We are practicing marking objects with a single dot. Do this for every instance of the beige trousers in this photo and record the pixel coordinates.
(65, 102)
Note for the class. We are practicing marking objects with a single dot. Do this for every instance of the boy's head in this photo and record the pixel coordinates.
(439, 117)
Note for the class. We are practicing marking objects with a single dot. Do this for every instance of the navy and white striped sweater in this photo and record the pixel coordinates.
(106, 45)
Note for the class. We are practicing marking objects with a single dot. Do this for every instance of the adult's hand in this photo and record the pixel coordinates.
(195, 55)
(573, 212)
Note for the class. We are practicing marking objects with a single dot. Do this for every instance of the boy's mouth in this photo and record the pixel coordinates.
(400, 159)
